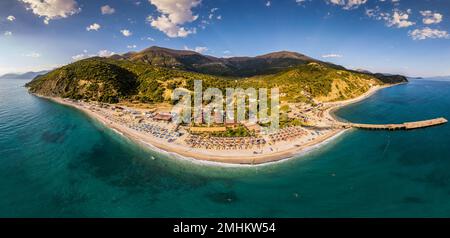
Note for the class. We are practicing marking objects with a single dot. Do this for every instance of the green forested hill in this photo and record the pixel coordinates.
(94, 79)
(232, 67)
(114, 79)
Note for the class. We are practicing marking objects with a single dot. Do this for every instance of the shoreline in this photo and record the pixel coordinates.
(366, 95)
(186, 153)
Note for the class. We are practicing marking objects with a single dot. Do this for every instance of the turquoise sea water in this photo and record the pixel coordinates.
(56, 162)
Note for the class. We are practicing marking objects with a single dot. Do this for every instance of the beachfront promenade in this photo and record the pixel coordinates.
(403, 126)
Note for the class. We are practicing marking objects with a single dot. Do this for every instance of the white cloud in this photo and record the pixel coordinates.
(198, 49)
(431, 17)
(268, 4)
(372, 13)
(107, 10)
(173, 15)
(302, 2)
(131, 46)
(425, 33)
(85, 55)
(399, 19)
(93, 27)
(52, 9)
(332, 56)
(211, 16)
(11, 18)
(105, 53)
(126, 32)
(346, 4)
(79, 57)
(7, 33)
(33, 55)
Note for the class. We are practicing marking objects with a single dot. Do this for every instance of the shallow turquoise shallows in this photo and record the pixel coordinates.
(56, 162)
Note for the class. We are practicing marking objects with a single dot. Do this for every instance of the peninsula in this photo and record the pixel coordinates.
(131, 93)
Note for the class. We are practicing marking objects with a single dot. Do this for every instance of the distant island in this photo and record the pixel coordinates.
(27, 75)
(440, 78)
(132, 93)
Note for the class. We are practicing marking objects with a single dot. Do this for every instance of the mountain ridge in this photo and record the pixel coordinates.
(27, 75)
(245, 66)
(150, 76)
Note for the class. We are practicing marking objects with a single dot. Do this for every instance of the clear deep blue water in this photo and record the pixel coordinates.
(56, 162)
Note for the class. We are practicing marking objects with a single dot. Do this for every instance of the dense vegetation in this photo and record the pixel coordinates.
(117, 79)
(239, 131)
(92, 79)
(230, 67)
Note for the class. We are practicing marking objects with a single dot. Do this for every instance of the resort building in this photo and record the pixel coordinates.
(167, 117)
(253, 127)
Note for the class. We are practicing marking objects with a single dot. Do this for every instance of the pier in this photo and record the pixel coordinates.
(393, 127)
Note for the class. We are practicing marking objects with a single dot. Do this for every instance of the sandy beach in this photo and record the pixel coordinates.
(271, 153)
(334, 106)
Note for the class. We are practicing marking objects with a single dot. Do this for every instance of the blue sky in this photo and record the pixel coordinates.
(396, 36)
